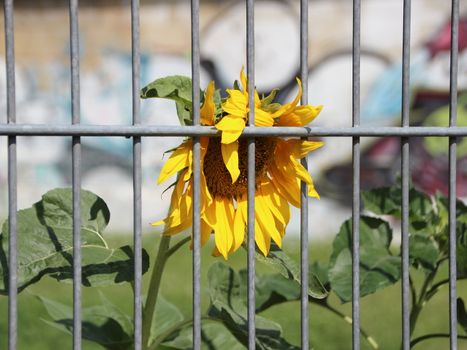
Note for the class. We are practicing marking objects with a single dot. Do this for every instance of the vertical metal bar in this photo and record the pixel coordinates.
(250, 64)
(405, 176)
(76, 173)
(305, 342)
(12, 177)
(137, 219)
(195, 73)
(356, 177)
(452, 175)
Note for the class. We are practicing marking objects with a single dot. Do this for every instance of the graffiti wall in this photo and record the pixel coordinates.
(43, 89)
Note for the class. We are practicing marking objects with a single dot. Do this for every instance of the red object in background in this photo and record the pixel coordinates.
(442, 40)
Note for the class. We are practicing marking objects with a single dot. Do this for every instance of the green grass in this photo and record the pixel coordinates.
(380, 312)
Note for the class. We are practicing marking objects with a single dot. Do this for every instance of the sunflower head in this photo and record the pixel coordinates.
(278, 171)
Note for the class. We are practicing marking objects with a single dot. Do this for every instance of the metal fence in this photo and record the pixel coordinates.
(136, 131)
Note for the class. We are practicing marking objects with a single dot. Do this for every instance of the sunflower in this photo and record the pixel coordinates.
(278, 171)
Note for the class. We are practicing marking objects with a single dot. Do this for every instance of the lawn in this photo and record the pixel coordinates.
(380, 312)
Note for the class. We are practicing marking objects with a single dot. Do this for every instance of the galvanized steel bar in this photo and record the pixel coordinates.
(195, 74)
(12, 178)
(191, 131)
(76, 173)
(250, 64)
(405, 292)
(304, 317)
(356, 177)
(452, 175)
(137, 205)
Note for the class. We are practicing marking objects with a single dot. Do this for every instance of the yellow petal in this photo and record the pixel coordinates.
(262, 239)
(243, 79)
(300, 148)
(208, 110)
(266, 220)
(287, 188)
(230, 157)
(236, 104)
(231, 123)
(231, 128)
(275, 203)
(263, 118)
(224, 224)
(299, 116)
(181, 158)
(239, 225)
(230, 136)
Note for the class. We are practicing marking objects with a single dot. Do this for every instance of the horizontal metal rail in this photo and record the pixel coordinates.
(189, 131)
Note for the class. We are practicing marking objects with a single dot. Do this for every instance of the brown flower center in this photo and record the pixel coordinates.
(218, 178)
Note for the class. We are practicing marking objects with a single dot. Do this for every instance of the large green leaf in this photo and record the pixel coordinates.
(104, 324)
(378, 267)
(177, 88)
(45, 243)
(166, 316)
(423, 251)
(388, 201)
(214, 336)
(228, 304)
(274, 289)
(288, 268)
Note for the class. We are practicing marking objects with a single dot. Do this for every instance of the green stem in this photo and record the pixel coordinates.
(153, 290)
(422, 299)
(434, 335)
(348, 319)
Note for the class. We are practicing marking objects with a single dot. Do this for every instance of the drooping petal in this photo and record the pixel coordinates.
(206, 231)
(262, 239)
(266, 220)
(230, 157)
(287, 188)
(175, 201)
(239, 225)
(275, 202)
(224, 225)
(208, 110)
(180, 159)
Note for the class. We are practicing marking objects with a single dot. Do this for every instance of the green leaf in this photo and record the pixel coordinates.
(45, 243)
(177, 88)
(274, 289)
(423, 251)
(228, 305)
(266, 101)
(378, 267)
(214, 336)
(288, 268)
(166, 316)
(388, 201)
(103, 324)
(461, 314)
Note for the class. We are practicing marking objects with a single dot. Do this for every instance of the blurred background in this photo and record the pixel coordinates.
(43, 89)
(43, 93)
